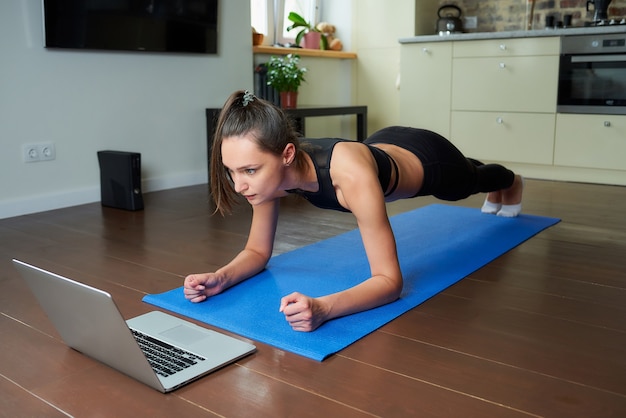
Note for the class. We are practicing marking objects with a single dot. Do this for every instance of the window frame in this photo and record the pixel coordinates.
(275, 16)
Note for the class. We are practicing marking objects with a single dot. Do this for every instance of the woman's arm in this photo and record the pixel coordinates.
(358, 188)
(251, 260)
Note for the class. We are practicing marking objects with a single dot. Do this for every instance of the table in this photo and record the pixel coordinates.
(298, 114)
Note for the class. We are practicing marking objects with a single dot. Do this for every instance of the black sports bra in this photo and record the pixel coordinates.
(384, 163)
(320, 150)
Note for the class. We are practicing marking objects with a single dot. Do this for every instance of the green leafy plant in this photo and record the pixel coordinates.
(305, 27)
(284, 73)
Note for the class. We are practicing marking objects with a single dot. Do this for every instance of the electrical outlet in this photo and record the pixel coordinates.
(45, 151)
(30, 153)
(471, 22)
(48, 152)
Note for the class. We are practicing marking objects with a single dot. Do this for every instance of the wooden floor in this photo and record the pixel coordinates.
(541, 331)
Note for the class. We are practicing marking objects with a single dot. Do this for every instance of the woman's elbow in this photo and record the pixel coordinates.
(397, 292)
(395, 288)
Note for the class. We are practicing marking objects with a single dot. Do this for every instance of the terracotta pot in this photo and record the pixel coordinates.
(311, 40)
(288, 99)
(257, 39)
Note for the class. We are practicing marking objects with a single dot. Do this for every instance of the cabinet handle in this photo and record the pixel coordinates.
(502, 65)
(607, 123)
(499, 120)
(425, 51)
(502, 47)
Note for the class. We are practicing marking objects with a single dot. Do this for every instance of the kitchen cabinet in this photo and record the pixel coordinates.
(504, 136)
(426, 70)
(504, 99)
(496, 100)
(519, 75)
(591, 141)
(513, 84)
(529, 47)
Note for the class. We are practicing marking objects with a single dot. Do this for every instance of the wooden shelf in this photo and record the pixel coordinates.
(303, 52)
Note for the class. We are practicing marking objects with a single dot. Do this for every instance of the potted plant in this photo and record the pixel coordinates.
(313, 37)
(285, 75)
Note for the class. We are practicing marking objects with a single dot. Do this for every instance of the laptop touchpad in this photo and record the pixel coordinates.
(184, 334)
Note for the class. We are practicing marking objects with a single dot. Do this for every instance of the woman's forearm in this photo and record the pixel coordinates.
(245, 264)
(374, 292)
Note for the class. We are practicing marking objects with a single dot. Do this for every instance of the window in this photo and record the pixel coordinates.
(270, 17)
(262, 16)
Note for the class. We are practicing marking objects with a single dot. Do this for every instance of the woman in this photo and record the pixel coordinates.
(256, 154)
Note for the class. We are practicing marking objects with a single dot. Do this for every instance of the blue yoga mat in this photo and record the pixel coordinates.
(438, 245)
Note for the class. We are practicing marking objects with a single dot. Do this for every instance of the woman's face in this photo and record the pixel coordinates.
(257, 175)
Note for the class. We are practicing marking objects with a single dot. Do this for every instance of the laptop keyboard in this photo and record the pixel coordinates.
(164, 358)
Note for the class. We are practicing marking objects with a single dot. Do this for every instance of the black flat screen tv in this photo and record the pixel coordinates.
(186, 26)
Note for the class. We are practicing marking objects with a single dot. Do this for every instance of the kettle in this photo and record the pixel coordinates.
(601, 8)
(451, 22)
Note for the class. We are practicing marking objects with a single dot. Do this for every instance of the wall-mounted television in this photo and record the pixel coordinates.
(187, 26)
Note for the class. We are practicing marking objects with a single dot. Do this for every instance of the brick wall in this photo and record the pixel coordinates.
(508, 15)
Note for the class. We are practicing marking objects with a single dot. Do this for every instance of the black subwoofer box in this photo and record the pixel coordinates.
(120, 179)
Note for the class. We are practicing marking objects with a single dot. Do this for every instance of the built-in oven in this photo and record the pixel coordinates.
(592, 74)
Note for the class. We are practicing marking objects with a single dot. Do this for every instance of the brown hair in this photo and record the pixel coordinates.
(245, 114)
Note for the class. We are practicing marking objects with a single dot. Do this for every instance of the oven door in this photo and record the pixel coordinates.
(593, 83)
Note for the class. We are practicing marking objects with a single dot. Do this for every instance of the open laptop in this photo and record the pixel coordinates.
(89, 321)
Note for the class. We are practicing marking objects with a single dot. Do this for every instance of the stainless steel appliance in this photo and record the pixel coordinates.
(601, 8)
(601, 14)
(451, 22)
(592, 74)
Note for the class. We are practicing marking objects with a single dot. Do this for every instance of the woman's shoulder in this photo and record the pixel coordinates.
(320, 143)
(352, 158)
(320, 149)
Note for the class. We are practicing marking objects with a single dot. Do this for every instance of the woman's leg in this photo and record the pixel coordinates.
(449, 175)
(452, 176)
(506, 202)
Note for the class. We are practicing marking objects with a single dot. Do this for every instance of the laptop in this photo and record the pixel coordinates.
(158, 349)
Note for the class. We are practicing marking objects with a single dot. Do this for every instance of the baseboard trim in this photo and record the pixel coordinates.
(51, 201)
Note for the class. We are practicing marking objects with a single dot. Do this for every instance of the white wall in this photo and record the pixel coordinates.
(377, 26)
(85, 101)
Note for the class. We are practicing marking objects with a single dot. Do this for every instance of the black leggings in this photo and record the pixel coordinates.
(448, 174)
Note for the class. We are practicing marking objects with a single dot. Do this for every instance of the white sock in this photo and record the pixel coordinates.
(491, 208)
(510, 211)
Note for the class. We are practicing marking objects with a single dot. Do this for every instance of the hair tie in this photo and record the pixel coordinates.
(247, 98)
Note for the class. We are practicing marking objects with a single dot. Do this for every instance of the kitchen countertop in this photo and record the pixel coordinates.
(594, 30)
